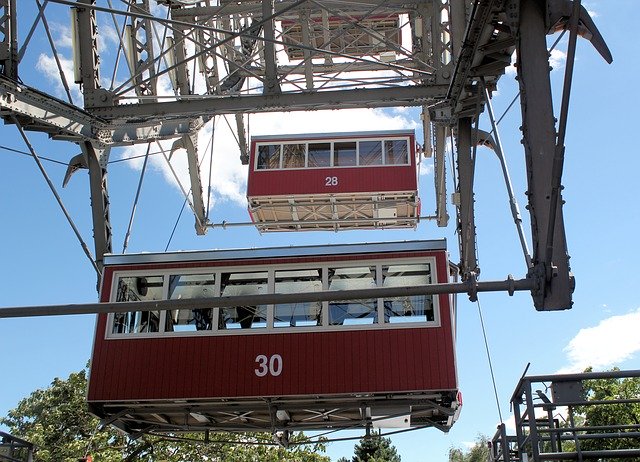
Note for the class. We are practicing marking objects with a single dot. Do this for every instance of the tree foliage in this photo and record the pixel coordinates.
(479, 452)
(56, 420)
(609, 415)
(375, 448)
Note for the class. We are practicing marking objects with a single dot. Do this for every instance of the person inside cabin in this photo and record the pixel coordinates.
(202, 318)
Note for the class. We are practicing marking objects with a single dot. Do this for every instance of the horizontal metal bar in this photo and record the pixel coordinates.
(208, 105)
(469, 286)
(589, 403)
(588, 429)
(528, 380)
(590, 454)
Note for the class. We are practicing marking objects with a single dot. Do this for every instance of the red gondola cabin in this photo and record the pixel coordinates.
(334, 181)
(385, 362)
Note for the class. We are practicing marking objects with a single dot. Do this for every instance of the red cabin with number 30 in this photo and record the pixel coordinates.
(229, 358)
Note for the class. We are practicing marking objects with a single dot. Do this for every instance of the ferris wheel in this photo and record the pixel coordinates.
(157, 78)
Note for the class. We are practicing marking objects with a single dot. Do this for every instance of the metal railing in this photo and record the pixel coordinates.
(557, 427)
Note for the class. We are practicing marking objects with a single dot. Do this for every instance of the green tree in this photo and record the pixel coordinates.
(611, 414)
(479, 452)
(375, 448)
(55, 419)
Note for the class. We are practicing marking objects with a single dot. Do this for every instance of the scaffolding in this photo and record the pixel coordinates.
(550, 425)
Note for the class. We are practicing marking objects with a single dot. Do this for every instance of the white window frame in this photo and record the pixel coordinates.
(270, 269)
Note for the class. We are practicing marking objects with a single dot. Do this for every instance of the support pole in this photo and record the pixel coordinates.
(471, 287)
(99, 204)
(465, 196)
(9, 35)
(539, 139)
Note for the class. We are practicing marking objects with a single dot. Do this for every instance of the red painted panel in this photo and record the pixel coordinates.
(166, 368)
(382, 179)
(370, 179)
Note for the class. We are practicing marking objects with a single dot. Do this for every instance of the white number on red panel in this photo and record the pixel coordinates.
(331, 181)
(271, 365)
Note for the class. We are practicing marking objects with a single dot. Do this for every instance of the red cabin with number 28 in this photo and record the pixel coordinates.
(228, 358)
(334, 181)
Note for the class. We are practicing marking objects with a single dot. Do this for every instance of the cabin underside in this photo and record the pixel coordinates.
(335, 212)
(437, 409)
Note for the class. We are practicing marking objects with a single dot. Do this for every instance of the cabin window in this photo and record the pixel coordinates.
(293, 155)
(414, 308)
(326, 154)
(246, 316)
(370, 152)
(301, 314)
(396, 152)
(134, 289)
(268, 156)
(353, 312)
(344, 154)
(190, 286)
(319, 155)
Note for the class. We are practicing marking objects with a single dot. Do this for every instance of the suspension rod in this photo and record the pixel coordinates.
(470, 286)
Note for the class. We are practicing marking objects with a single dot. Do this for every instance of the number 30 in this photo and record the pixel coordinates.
(266, 365)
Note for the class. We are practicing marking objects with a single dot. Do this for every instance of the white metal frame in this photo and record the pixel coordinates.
(332, 141)
(270, 268)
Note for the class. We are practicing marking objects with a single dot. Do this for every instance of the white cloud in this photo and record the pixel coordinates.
(61, 35)
(557, 59)
(47, 65)
(612, 341)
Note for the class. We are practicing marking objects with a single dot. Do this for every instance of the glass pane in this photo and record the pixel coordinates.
(396, 152)
(415, 308)
(293, 155)
(247, 316)
(349, 312)
(303, 313)
(133, 289)
(319, 154)
(370, 152)
(344, 154)
(268, 156)
(190, 286)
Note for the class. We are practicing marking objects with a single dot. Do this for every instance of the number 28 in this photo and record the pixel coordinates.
(331, 181)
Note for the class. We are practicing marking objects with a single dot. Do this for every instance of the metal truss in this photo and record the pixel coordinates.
(435, 409)
(14, 449)
(179, 64)
(545, 410)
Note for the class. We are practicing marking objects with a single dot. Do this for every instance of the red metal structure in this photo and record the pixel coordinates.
(334, 181)
(382, 362)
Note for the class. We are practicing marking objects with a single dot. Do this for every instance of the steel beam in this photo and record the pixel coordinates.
(271, 84)
(539, 139)
(141, 51)
(102, 235)
(41, 112)
(87, 60)
(440, 175)
(208, 106)
(471, 287)
(9, 35)
(466, 220)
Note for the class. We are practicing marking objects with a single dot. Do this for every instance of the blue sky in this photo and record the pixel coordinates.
(43, 263)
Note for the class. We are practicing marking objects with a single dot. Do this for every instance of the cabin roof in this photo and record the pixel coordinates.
(275, 252)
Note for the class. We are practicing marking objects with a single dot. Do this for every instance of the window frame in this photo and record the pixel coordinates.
(270, 268)
(331, 141)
